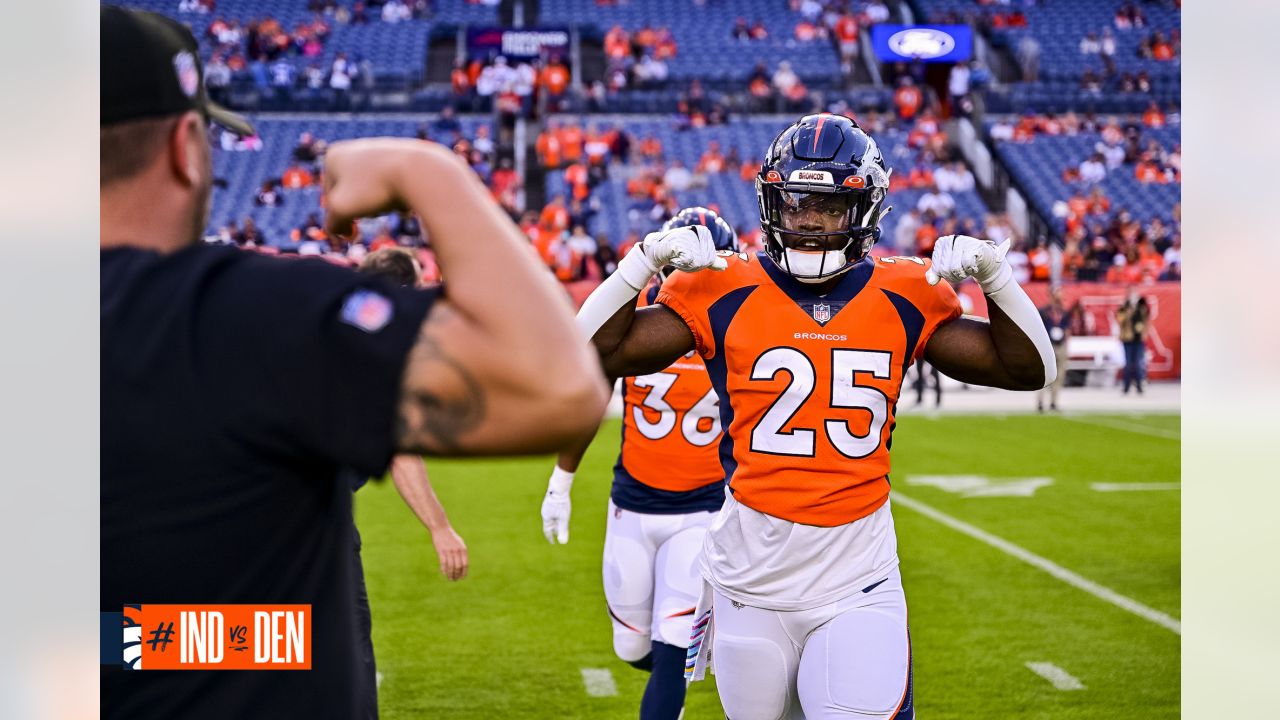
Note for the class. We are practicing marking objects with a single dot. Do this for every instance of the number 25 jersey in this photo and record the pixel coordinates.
(808, 384)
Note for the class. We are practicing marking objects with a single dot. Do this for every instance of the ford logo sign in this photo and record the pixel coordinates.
(921, 43)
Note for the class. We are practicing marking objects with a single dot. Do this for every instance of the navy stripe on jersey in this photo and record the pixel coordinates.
(912, 323)
(851, 283)
(629, 493)
(720, 314)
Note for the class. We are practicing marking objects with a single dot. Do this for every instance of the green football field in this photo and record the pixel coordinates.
(1027, 541)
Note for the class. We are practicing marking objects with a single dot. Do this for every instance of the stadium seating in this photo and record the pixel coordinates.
(1037, 167)
(245, 171)
(396, 50)
(736, 198)
(706, 48)
(1058, 29)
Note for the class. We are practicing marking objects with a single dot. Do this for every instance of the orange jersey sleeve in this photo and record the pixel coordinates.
(808, 384)
(671, 425)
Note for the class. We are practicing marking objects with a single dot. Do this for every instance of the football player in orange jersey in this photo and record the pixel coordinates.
(668, 484)
(806, 344)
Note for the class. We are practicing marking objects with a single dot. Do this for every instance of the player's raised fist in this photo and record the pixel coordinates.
(956, 257)
(688, 248)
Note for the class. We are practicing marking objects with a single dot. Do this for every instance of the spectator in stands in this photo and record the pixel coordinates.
(846, 32)
(617, 43)
(712, 160)
(1153, 117)
(359, 16)
(1091, 83)
(876, 11)
(605, 256)
(1093, 169)
(1090, 45)
(741, 31)
(997, 227)
(296, 177)
(554, 81)
(446, 127)
(759, 31)
(555, 217)
(907, 99)
(250, 235)
(268, 195)
(340, 73)
(1029, 58)
(1057, 320)
(938, 202)
(1148, 171)
(1132, 317)
(283, 74)
(958, 89)
(217, 78)
(1164, 241)
(904, 235)
(1039, 261)
(785, 79)
(954, 177)
(394, 11)
(677, 178)
(650, 71)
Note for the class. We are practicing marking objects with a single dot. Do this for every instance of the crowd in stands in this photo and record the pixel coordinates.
(514, 88)
(1103, 241)
(299, 180)
(1120, 145)
(1122, 249)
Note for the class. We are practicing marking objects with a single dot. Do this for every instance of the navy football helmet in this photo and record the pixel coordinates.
(722, 233)
(825, 155)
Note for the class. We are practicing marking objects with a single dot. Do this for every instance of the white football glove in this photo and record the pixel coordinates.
(956, 257)
(556, 507)
(688, 248)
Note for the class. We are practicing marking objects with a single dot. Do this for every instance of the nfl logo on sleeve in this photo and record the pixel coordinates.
(368, 310)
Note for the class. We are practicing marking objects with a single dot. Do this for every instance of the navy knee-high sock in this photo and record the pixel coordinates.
(664, 695)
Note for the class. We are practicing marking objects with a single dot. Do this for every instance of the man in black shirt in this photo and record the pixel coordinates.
(239, 391)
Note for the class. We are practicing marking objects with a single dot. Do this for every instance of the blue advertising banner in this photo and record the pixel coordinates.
(525, 44)
(926, 43)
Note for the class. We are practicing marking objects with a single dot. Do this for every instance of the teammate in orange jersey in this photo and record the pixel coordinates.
(806, 344)
(668, 484)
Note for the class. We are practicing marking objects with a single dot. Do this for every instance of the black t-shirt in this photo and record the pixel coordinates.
(238, 393)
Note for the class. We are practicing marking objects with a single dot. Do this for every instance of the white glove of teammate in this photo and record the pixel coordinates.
(687, 248)
(956, 257)
(556, 507)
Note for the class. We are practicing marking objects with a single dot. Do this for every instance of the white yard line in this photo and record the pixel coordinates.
(1059, 572)
(599, 682)
(1135, 487)
(377, 679)
(1122, 425)
(1060, 678)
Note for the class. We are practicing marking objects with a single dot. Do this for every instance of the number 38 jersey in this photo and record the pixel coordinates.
(808, 384)
(669, 461)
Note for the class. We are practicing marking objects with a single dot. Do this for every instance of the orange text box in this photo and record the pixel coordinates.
(225, 637)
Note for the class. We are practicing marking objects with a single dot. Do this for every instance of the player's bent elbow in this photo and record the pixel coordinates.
(1031, 376)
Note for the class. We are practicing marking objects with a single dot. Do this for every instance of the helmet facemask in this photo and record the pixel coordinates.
(816, 234)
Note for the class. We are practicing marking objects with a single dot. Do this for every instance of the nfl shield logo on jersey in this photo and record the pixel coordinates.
(822, 313)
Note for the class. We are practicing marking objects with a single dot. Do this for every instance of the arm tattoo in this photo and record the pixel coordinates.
(441, 400)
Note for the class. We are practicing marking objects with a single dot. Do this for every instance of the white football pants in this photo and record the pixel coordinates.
(651, 578)
(847, 659)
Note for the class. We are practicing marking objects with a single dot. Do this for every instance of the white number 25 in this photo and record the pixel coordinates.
(768, 437)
